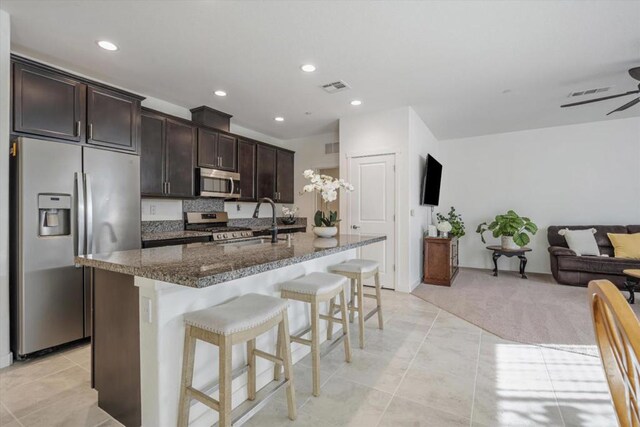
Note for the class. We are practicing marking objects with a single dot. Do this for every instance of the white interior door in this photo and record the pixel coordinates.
(372, 208)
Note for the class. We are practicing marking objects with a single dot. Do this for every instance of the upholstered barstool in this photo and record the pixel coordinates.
(241, 320)
(358, 270)
(314, 289)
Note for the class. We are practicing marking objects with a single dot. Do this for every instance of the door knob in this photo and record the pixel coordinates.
(355, 227)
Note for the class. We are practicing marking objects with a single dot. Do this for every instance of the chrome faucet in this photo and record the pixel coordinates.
(274, 224)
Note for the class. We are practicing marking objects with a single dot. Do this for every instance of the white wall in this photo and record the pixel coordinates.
(5, 104)
(382, 132)
(579, 174)
(421, 143)
(310, 155)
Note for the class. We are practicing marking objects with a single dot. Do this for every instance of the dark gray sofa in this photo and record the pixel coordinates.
(569, 269)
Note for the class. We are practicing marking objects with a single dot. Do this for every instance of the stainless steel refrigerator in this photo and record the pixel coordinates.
(66, 200)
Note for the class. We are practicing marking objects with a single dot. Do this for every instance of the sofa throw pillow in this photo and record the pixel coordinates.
(582, 242)
(625, 245)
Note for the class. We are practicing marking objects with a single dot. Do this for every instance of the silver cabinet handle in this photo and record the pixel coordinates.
(168, 187)
(89, 211)
(77, 128)
(80, 228)
(355, 227)
(90, 130)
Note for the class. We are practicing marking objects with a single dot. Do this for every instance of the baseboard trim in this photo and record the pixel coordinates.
(415, 285)
(6, 360)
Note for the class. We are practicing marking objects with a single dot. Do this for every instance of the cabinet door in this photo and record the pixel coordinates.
(48, 104)
(284, 176)
(247, 169)
(227, 152)
(112, 119)
(180, 161)
(152, 155)
(265, 171)
(207, 149)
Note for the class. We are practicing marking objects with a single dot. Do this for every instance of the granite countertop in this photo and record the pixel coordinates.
(200, 265)
(169, 235)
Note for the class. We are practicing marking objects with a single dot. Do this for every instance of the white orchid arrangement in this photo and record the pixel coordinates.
(328, 188)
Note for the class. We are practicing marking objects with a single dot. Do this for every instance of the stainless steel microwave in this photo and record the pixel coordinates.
(217, 183)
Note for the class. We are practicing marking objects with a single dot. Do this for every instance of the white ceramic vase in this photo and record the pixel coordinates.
(325, 231)
(508, 243)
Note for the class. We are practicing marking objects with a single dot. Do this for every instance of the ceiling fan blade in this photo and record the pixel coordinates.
(601, 99)
(625, 106)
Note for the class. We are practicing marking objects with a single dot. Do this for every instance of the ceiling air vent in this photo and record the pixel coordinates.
(589, 91)
(331, 148)
(334, 87)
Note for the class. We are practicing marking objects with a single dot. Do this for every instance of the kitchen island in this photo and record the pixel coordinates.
(140, 297)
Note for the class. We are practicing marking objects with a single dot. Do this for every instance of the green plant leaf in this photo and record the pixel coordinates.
(521, 239)
(317, 219)
(531, 227)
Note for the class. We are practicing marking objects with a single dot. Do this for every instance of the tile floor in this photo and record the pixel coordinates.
(427, 368)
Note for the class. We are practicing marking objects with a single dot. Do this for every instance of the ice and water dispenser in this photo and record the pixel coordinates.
(54, 211)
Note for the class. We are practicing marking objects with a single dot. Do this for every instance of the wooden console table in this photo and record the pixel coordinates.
(440, 260)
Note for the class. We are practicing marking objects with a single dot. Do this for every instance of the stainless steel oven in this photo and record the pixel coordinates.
(217, 183)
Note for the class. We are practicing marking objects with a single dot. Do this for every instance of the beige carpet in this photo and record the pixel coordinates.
(533, 311)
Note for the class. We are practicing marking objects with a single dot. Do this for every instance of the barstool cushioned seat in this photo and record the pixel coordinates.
(241, 314)
(356, 266)
(315, 284)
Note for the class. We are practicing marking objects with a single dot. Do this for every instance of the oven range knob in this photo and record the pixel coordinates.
(225, 235)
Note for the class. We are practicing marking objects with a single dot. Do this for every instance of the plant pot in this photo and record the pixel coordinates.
(508, 243)
(444, 234)
(325, 231)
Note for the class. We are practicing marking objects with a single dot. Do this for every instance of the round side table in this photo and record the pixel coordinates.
(499, 251)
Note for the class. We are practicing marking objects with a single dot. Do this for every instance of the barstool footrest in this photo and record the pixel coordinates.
(325, 317)
(249, 408)
(269, 357)
(371, 313)
(203, 398)
(301, 340)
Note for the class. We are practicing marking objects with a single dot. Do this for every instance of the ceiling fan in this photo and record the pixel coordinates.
(634, 73)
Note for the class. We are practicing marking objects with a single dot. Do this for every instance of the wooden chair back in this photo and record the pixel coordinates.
(617, 333)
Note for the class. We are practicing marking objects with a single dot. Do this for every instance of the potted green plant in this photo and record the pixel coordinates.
(511, 228)
(455, 221)
(325, 225)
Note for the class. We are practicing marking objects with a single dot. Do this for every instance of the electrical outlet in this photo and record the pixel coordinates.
(152, 209)
(238, 208)
(412, 212)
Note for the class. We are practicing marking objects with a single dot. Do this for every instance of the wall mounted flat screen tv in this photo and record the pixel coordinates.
(431, 182)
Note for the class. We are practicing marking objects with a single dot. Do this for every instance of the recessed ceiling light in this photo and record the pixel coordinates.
(356, 102)
(220, 93)
(308, 68)
(279, 119)
(107, 45)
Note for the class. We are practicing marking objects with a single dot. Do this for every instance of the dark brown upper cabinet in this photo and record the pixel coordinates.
(180, 160)
(284, 176)
(48, 104)
(247, 169)
(54, 104)
(266, 172)
(167, 160)
(217, 150)
(152, 155)
(113, 120)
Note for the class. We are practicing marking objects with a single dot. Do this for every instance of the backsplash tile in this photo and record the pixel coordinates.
(203, 205)
(161, 226)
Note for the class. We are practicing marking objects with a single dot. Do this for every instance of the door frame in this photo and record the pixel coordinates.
(377, 153)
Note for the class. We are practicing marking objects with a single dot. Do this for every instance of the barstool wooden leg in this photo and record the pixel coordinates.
(225, 391)
(283, 332)
(352, 283)
(277, 368)
(251, 373)
(345, 326)
(379, 299)
(360, 310)
(315, 347)
(332, 309)
(187, 377)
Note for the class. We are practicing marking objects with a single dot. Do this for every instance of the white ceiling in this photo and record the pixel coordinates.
(450, 60)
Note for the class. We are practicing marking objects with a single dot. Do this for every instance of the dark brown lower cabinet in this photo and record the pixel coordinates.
(440, 260)
(115, 346)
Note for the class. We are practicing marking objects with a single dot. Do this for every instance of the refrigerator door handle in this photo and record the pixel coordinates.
(89, 211)
(80, 223)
